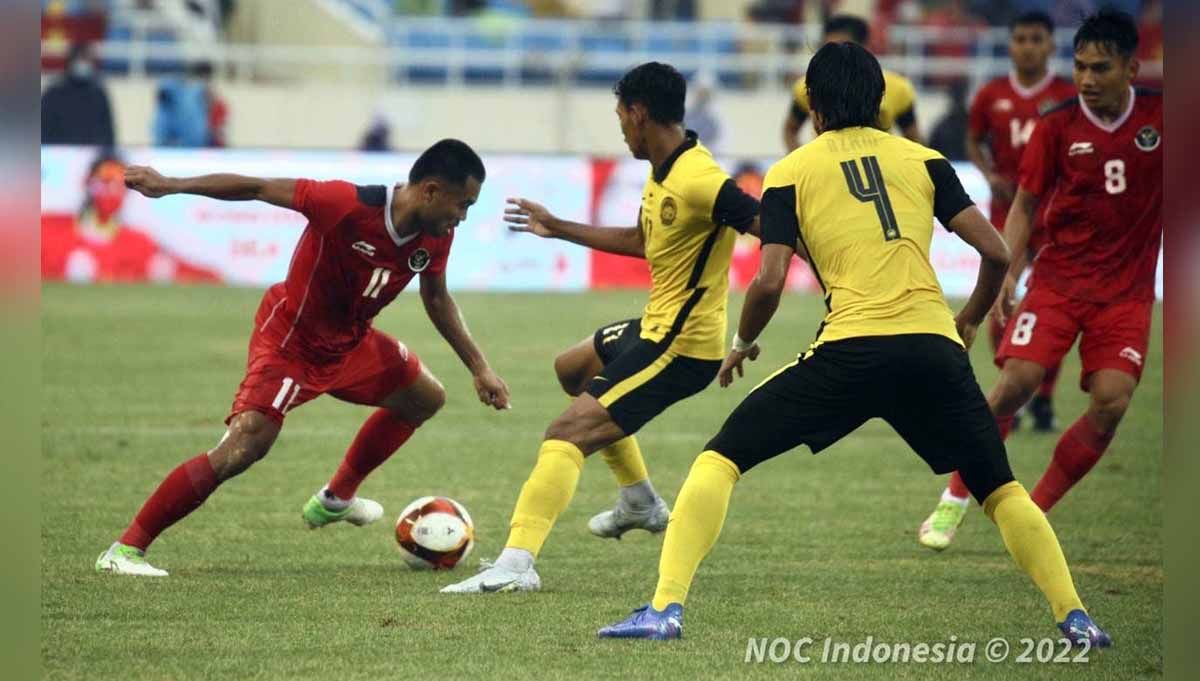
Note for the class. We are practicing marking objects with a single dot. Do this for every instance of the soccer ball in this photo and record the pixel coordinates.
(434, 533)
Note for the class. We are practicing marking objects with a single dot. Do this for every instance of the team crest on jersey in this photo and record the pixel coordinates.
(419, 260)
(1147, 139)
(668, 212)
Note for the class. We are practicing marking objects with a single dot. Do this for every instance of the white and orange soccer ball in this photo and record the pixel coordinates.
(434, 533)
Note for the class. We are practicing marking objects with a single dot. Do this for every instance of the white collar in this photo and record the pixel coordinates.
(1032, 91)
(387, 220)
(1110, 127)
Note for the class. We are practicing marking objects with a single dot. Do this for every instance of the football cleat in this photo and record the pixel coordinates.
(1078, 627)
(646, 622)
(360, 512)
(120, 559)
(620, 520)
(493, 578)
(1042, 411)
(939, 528)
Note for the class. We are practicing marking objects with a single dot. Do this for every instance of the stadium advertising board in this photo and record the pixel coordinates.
(194, 239)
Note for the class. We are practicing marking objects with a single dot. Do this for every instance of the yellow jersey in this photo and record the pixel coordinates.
(898, 106)
(688, 207)
(862, 203)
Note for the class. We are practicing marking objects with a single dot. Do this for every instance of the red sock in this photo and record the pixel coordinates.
(378, 439)
(1077, 451)
(180, 493)
(1048, 382)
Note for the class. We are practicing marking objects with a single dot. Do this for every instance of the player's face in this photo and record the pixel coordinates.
(1030, 46)
(631, 129)
(106, 188)
(447, 204)
(1102, 77)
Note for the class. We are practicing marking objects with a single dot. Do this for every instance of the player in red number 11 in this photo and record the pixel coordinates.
(313, 334)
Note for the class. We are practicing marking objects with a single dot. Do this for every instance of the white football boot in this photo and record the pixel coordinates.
(493, 578)
(120, 559)
(621, 519)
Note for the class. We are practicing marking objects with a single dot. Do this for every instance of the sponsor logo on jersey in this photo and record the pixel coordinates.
(419, 260)
(668, 212)
(1132, 355)
(364, 248)
(1003, 104)
(1147, 139)
(1078, 148)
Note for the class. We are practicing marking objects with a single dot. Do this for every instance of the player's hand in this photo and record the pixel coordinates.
(1002, 188)
(523, 215)
(1006, 302)
(734, 363)
(492, 389)
(147, 181)
(966, 330)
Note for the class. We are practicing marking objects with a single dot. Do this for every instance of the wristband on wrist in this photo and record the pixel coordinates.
(740, 345)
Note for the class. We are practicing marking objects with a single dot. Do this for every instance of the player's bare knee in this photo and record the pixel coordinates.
(1108, 410)
(248, 440)
(431, 402)
(570, 374)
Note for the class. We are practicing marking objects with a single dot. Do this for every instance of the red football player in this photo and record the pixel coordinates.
(1002, 118)
(1094, 165)
(313, 332)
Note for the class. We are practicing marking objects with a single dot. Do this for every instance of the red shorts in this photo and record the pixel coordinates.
(1044, 327)
(277, 382)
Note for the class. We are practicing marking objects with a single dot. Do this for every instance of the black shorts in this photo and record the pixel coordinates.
(642, 378)
(921, 384)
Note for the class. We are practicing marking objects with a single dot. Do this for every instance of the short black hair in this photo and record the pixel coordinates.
(449, 159)
(658, 87)
(849, 24)
(1033, 18)
(1111, 30)
(845, 85)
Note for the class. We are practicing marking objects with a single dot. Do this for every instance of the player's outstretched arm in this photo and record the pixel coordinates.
(523, 215)
(447, 319)
(226, 187)
(1017, 228)
(791, 127)
(970, 225)
(762, 299)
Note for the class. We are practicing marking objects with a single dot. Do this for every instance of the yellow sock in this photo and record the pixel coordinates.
(545, 494)
(624, 457)
(1032, 543)
(695, 524)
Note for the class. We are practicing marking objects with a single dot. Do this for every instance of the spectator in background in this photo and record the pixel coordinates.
(701, 116)
(673, 10)
(190, 113)
(378, 135)
(950, 133)
(75, 109)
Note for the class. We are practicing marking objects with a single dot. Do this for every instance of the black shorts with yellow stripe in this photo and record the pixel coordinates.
(642, 378)
(920, 384)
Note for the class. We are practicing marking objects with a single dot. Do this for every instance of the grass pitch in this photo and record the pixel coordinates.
(139, 378)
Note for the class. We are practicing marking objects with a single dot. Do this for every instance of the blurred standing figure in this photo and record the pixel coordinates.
(75, 110)
(948, 136)
(701, 116)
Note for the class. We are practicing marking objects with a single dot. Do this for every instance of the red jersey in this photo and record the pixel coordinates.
(1004, 112)
(348, 265)
(1101, 185)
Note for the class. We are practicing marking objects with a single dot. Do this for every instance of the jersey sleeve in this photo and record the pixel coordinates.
(440, 255)
(977, 122)
(778, 218)
(702, 188)
(324, 203)
(949, 197)
(734, 207)
(1038, 171)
